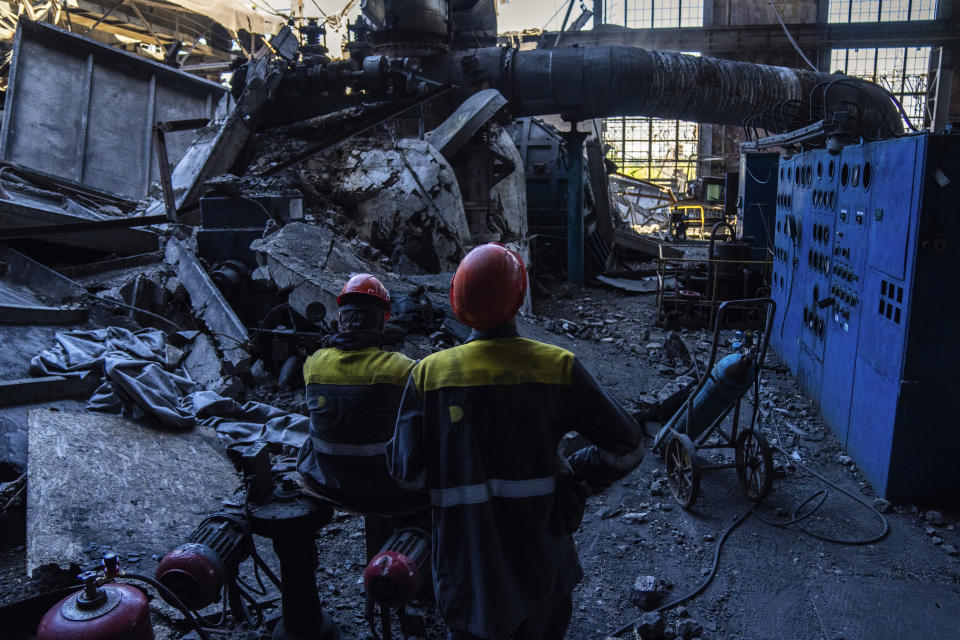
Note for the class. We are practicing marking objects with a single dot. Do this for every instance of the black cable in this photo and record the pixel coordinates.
(98, 297)
(263, 565)
(885, 528)
(755, 178)
(693, 594)
(795, 519)
(783, 319)
(170, 598)
(253, 602)
(858, 86)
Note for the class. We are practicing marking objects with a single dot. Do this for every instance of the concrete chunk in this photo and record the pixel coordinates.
(210, 305)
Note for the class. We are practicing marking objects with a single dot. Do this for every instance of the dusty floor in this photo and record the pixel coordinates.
(771, 582)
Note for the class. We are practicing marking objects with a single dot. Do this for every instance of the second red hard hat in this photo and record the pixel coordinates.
(489, 287)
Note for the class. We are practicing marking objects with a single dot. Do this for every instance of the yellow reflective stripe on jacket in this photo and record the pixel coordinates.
(498, 361)
(363, 367)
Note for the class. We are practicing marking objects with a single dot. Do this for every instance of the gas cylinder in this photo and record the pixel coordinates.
(728, 381)
(108, 612)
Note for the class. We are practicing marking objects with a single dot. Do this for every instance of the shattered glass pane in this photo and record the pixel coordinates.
(884, 11)
(894, 10)
(654, 149)
(838, 11)
(613, 12)
(651, 148)
(647, 14)
(923, 10)
(901, 70)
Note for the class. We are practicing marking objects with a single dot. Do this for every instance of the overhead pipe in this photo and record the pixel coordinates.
(581, 83)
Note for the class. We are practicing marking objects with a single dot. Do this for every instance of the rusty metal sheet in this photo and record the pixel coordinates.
(83, 111)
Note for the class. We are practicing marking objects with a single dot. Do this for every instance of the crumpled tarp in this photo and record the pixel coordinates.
(248, 422)
(138, 384)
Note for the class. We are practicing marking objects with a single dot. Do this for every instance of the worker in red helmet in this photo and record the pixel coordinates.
(479, 428)
(354, 389)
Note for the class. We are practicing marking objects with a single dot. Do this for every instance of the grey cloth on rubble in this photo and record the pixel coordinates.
(136, 385)
(248, 422)
(77, 352)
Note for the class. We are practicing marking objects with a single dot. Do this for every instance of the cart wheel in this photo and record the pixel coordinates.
(754, 464)
(683, 471)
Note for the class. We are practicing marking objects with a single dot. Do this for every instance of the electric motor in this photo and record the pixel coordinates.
(197, 570)
(394, 576)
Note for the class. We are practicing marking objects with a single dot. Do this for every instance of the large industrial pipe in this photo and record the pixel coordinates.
(596, 82)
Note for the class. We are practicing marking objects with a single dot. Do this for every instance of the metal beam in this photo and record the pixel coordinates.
(30, 390)
(130, 30)
(575, 234)
(740, 39)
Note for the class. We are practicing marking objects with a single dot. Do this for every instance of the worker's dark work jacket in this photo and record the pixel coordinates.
(479, 428)
(353, 394)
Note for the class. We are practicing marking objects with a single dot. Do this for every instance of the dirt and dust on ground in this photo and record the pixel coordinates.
(638, 549)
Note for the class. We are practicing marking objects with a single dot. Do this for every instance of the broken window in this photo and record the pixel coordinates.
(901, 70)
(882, 10)
(652, 14)
(662, 151)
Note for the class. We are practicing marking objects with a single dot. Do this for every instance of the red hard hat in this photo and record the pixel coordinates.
(489, 287)
(366, 285)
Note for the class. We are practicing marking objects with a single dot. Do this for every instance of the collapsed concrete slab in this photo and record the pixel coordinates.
(511, 192)
(98, 481)
(456, 130)
(30, 293)
(210, 306)
(309, 263)
(19, 210)
(404, 198)
(29, 390)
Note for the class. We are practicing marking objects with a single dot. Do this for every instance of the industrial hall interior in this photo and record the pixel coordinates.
(479, 319)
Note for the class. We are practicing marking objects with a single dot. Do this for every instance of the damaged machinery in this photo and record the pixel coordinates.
(461, 173)
(402, 50)
(857, 230)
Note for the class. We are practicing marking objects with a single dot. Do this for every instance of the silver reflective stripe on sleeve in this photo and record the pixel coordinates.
(477, 493)
(342, 449)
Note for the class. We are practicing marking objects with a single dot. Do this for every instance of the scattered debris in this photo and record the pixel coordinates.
(881, 505)
(31, 293)
(31, 390)
(648, 591)
(210, 306)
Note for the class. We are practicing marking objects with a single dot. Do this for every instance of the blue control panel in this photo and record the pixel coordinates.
(865, 255)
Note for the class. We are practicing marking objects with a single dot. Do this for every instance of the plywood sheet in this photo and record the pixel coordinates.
(98, 479)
